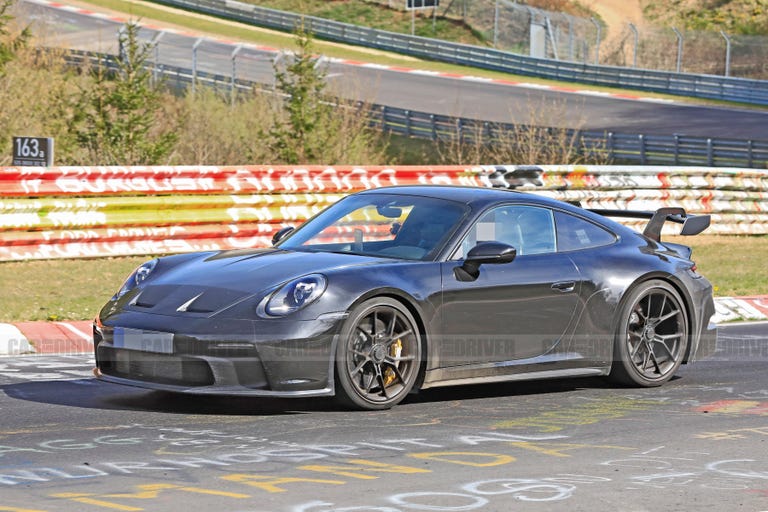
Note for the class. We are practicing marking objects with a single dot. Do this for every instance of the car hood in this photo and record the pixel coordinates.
(211, 282)
(253, 270)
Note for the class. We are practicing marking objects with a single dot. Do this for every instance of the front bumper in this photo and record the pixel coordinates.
(218, 357)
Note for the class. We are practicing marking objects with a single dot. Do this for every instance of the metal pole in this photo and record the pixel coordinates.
(531, 20)
(633, 28)
(121, 45)
(727, 53)
(679, 49)
(597, 40)
(194, 63)
(275, 64)
(156, 46)
(234, 71)
(552, 38)
(496, 24)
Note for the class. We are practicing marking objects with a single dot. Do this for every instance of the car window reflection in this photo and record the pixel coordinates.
(381, 225)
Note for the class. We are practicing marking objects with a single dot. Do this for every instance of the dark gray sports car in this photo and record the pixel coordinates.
(397, 289)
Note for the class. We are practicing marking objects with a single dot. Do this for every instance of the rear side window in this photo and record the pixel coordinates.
(574, 233)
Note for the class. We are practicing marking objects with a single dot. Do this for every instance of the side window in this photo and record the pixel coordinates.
(529, 229)
(574, 233)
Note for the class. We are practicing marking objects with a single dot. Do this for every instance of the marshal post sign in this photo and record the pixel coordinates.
(33, 151)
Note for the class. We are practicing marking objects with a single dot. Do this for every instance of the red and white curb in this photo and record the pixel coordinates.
(46, 338)
(729, 309)
(23, 338)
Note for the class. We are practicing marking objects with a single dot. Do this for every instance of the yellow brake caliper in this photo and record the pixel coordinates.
(395, 350)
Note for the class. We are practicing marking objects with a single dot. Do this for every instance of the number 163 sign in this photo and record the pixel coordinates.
(33, 151)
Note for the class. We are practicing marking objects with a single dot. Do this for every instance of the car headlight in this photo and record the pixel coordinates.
(137, 277)
(296, 295)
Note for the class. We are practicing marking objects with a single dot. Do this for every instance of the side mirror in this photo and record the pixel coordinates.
(484, 253)
(282, 233)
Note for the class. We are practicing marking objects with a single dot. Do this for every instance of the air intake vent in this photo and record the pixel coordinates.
(152, 295)
(212, 299)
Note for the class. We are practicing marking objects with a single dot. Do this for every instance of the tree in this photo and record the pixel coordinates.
(313, 126)
(296, 134)
(10, 43)
(116, 120)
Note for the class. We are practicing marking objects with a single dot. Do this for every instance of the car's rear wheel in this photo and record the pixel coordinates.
(652, 335)
(378, 355)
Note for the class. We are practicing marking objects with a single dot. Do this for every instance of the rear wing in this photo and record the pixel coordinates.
(692, 224)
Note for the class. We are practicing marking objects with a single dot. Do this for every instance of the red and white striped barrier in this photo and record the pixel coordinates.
(72, 212)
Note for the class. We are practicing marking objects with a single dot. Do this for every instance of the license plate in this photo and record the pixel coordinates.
(145, 341)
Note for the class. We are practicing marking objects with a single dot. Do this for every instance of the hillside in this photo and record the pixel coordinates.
(737, 17)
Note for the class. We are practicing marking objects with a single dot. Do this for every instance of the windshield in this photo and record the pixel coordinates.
(384, 225)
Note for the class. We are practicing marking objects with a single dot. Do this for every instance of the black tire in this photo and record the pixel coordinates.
(378, 355)
(652, 335)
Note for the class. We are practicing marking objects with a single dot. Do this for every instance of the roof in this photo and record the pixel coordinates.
(451, 192)
(473, 196)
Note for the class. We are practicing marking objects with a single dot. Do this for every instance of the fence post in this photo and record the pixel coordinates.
(597, 40)
(677, 149)
(156, 47)
(384, 125)
(727, 53)
(679, 48)
(434, 126)
(121, 44)
(750, 146)
(710, 153)
(552, 38)
(633, 28)
(610, 143)
(194, 63)
(641, 138)
(407, 123)
(234, 71)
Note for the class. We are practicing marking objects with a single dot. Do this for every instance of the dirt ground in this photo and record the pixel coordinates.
(616, 14)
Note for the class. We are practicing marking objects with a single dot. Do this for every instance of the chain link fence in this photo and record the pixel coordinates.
(522, 29)
(713, 53)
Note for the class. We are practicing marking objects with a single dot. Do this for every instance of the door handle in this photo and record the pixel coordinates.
(564, 286)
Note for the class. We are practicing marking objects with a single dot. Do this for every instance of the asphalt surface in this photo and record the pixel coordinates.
(71, 443)
(425, 92)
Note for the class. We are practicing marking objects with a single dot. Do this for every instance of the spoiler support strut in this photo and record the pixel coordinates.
(692, 224)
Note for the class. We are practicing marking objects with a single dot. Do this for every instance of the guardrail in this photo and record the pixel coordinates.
(620, 147)
(684, 84)
(73, 212)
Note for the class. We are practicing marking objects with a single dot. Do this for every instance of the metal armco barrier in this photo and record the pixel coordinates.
(685, 84)
(642, 149)
(72, 212)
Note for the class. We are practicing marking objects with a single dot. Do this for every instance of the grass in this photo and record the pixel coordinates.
(734, 264)
(76, 289)
(138, 10)
(60, 289)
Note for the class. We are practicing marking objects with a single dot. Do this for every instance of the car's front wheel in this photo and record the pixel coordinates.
(378, 355)
(652, 335)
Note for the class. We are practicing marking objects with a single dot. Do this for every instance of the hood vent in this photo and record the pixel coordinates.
(210, 300)
(150, 296)
(169, 299)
